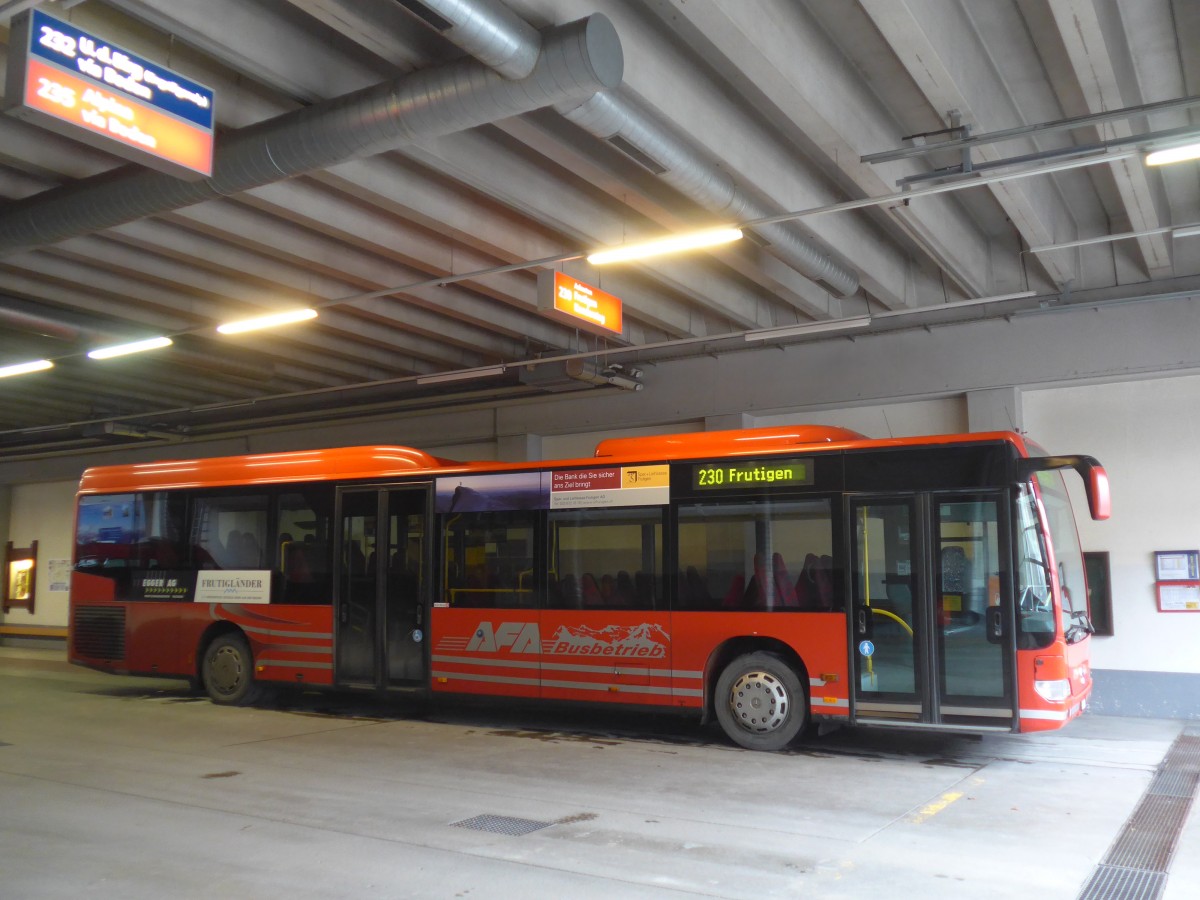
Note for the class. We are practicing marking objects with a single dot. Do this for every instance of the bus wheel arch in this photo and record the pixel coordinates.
(226, 664)
(758, 693)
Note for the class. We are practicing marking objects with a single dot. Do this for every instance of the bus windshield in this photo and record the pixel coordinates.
(1035, 607)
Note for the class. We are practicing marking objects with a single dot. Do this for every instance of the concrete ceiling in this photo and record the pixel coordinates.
(421, 248)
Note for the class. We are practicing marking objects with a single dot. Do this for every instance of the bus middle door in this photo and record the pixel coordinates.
(381, 577)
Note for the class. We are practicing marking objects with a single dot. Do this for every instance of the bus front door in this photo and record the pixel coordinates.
(931, 641)
(381, 573)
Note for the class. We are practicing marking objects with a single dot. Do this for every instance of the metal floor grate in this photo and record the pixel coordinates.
(1148, 838)
(1186, 752)
(509, 825)
(1174, 784)
(1135, 866)
(1116, 883)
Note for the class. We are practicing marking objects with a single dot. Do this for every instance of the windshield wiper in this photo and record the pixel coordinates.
(1080, 629)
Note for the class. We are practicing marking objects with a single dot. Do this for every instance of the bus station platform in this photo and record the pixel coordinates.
(137, 788)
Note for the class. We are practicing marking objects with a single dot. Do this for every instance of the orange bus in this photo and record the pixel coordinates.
(767, 578)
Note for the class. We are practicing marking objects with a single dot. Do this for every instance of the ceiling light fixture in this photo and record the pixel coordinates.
(693, 241)
(126, 349)
(464, 375)
(769, 334)
(38, 365)
(1173, 155)
(271, 321)
(1185, 231)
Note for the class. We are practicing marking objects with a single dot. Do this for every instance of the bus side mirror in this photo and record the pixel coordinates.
(1099, 498)
(1095, 479)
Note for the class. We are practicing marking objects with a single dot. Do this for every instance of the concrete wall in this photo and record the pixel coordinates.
(42, 513)
(1146, 434)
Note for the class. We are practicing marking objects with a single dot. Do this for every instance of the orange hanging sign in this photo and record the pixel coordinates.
(579, 303)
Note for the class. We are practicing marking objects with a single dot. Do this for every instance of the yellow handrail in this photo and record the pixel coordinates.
(892, 615)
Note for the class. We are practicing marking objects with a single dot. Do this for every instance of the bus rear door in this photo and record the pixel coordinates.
(930, 632)
(382, 577)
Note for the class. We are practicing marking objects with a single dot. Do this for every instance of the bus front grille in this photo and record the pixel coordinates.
(99, 632)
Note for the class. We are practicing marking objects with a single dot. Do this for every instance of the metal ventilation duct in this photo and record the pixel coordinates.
(572, 62)
(480, 26)
(493, 34)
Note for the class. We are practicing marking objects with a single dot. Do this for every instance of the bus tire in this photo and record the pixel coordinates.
(760, 702)
(228, 671)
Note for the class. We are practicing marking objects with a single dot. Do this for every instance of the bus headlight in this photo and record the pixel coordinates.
(1055, 691)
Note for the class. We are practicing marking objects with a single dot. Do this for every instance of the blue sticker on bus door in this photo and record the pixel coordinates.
(866, 648)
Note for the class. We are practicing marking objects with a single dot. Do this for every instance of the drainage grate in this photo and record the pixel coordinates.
(1148, 838)
(1135, 866)
(1174, 784)
(1116, 883)
(502, 824)
(1186, 752)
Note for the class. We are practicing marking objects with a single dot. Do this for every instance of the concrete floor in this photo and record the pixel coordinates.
(132, 788)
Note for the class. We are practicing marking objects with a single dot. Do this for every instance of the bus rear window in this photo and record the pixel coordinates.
(117, 533)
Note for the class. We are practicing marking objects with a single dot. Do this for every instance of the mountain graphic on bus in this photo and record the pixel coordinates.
(644, 641)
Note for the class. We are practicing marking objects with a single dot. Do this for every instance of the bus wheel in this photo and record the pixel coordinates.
(228, 671)
(760, 702)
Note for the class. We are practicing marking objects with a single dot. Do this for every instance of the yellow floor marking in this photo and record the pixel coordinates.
(930, 810)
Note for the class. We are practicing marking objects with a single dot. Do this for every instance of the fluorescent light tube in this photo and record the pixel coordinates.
(271, 321)
(768, 334)
(464, 375)
(37, 365)
(1173, 155)
(675, 244)
(126, 349)
(1185, 231)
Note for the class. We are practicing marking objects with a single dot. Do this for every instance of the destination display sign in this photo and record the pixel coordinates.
(579, 303)
(79, 85)
(770, 473)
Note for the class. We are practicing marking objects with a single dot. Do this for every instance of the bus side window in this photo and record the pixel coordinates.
(754, 556)
(302, 554)
(608, 559)
(489, 559)
(229, 531)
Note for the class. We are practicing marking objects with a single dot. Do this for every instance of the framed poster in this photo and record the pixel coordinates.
(1177, 565)
(20, 576)
(1178, 596)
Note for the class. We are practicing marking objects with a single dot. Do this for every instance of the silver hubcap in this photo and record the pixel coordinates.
(226, 670)
(759, 702)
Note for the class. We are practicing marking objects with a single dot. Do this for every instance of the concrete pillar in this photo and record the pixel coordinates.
(519, 447)
(729, 422)
(995, 409)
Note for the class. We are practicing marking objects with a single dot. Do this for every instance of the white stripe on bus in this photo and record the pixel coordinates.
(564, 667)
(1047, 714)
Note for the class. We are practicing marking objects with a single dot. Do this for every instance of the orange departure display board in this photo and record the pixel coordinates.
(579, 303)
(81, 86)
